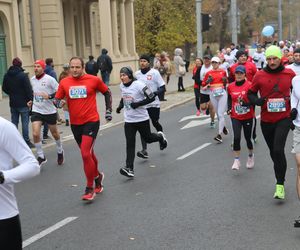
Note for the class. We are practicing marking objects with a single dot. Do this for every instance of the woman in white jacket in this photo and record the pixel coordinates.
(12, 148)
(179, 68)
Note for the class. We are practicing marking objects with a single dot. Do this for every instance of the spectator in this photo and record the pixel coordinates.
(91, 67)
(179, 67)
(105, 66)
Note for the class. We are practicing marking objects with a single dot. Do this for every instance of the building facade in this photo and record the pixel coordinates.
(60, 29)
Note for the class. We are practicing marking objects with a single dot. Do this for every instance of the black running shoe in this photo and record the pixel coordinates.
(127, 172)
(41, 160)
(60, 158)
(225, 131)
(142, 154)
(297, 223)
(218, 138)
(164, 143)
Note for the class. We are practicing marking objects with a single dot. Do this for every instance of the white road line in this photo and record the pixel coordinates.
(193, 151)
(48, 231)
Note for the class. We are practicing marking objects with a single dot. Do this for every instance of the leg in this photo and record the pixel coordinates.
(296, 145)
(14, 116)
(247, 127)
(25, 123)
(10, 233)
(222, 106)
(197, 98)
(237, 128)
(130, 133)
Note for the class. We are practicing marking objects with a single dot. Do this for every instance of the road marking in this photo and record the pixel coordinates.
(190, 117)
(48, 231)
(192, 124)
(193, 151)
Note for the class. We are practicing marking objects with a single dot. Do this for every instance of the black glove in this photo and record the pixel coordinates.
(118, 110)
(224, 79)
(134, 105)
(260, 101)
(293, 113)
(108, 115)
(209, 80)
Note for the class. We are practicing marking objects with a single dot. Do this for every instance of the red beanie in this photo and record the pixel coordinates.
(41, 63)
(17, 62)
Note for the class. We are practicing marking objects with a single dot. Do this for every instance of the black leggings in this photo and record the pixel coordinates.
(275, 135)
(10, 233)
(154, 116)
(197, 97)
(180, 83)
(130, 133)
(237, 126)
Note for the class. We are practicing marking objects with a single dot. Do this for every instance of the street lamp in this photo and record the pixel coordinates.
(199, 28)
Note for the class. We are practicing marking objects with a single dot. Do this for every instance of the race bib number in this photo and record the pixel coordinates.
(241, 110)
(276, 105)
(78, 92)
(127, 100)
(218, 92)
(38, 98)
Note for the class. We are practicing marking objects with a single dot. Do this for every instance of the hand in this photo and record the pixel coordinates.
(209, 80)
(224, 79)
(293, 113)
(229, 112)
(108, 115)
(134, 105)
(118, 110)
(260, 101)
(29, 104)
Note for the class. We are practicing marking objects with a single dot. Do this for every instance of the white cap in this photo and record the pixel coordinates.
(216, 59)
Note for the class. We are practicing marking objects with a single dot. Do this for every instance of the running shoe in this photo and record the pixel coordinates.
(212, 125)
(142, 154)
(41, 160)
(297, 223)
(89, 194)
(60, 158)
(279, 192)
(218, 138)
(99, 183)
(225, 131)
(127, 172)
(198, 113)
(236, 164)
(255, 139)
(164, 143)
(250, 162)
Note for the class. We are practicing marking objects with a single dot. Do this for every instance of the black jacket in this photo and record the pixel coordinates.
(17, 86)
(104, 62)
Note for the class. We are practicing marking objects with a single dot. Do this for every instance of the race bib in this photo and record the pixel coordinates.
(218, 92)
(77, 92)
(241, 110)
(38, 98)
(276, 105)
(127, 100)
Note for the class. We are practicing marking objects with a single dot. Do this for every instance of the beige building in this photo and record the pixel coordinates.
(35, 29)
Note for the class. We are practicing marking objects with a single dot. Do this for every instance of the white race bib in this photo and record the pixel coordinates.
(76, 92)
(241, 110)
(276, 105)
(218, 92)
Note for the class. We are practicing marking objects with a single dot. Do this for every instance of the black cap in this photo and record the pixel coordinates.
(240, 53)
(145, 57)
(296, 51)
(127, 71)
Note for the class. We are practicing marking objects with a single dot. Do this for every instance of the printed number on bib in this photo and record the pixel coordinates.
(218, 92)
(276, 105)
(38, 98)
(78, 92)
(127, 100)
(241, 110)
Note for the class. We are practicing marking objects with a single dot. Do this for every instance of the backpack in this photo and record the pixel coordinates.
(90, 67)
(102, 63)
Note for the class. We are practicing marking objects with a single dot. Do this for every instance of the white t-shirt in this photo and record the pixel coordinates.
(154, 81)
(295, 68)
(203, 71)
(47, 84)
(13, 147)
(230, 59)
(134, 93)
(259, 59)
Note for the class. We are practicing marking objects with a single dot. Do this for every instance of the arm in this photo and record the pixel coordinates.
(108, 104)
(121, 105)
(229, 103)
(150, 97)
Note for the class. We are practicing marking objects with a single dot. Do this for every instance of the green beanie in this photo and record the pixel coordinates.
(273, 51)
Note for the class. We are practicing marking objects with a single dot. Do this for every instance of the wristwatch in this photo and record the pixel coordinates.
(1, 177)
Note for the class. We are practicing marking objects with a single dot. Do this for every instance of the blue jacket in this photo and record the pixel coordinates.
(50, 71)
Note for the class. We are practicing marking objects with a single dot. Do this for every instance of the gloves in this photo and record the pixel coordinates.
(260, 101)
(118, 110)
(293, 113)
(209, 80)
(134, 105)
(224, 79)
(108, 115)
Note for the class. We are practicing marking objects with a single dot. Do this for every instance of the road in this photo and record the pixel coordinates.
(185, 197)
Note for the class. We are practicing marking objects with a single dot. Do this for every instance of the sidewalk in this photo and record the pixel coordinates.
(173, 97)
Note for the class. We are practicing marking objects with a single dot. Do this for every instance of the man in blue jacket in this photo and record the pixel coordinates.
(16, 85)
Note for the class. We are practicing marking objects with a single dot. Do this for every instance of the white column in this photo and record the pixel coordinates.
(130, 27)
(123, 30)
(105, 26)
(114, 21)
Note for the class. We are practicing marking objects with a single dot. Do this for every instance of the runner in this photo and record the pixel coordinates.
(241, 113)
(215, 81)
(205, 104)
(43, 111)
(80, 90)
(274, 83)
(197, 83)
(154, 81)
(13, 149)
(135, 95)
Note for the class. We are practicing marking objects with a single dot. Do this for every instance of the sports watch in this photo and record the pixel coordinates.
(1, 177)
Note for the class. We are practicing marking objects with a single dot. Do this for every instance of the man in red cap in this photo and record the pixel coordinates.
(43, 111)
(17, 86)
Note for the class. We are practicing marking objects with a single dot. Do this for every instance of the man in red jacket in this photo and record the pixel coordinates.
(273, 84)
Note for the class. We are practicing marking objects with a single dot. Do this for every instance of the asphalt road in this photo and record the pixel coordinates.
(185, 197)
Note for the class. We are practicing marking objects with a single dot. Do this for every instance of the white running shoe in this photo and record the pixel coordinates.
(250, 162)
(236, 164)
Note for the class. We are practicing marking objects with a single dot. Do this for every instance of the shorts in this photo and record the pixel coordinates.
(204, 98)
(49, 119)
(296, 139)
(89, 129)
